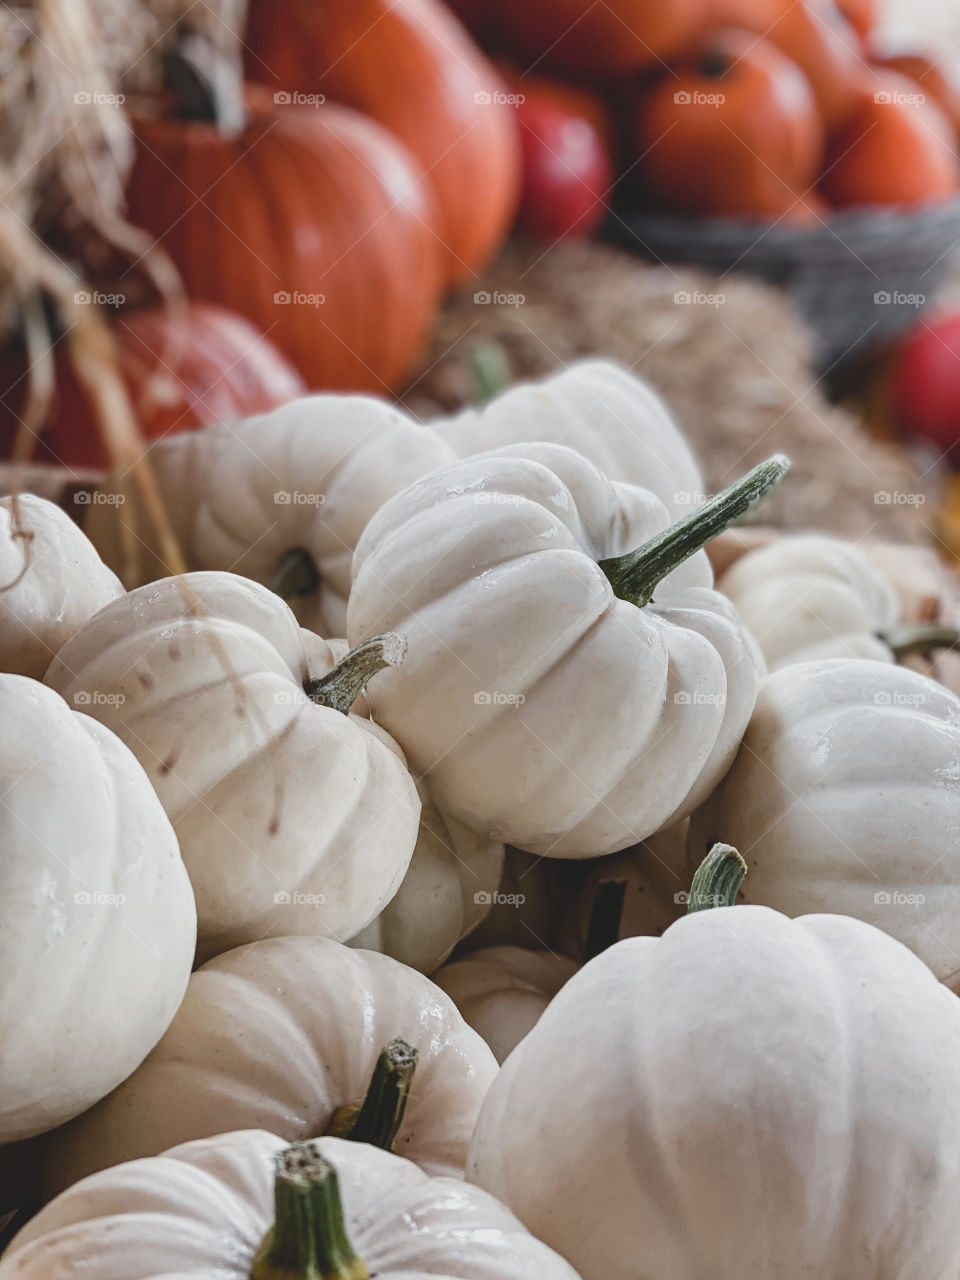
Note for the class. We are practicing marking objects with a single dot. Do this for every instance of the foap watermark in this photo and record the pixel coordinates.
(483, 898)
(297, 298)
(498, 98)
(98, 898)
(685, 898)
(697, 98)
(96, 98)
(894, 498)
(897, 698)
(699, 698)
(94, 298)
(96, 698)
(484, 298)
(898, 98)
(492, 498)
(690, 498)
(897, 298)
(296, 898)
(285, 98)
(696, 298)
(894, 898)
(494, 698)
(297, 498)
(98, 498)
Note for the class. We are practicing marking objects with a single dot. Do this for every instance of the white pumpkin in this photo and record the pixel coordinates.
(51, 582)
(99, 923)
(603, 411)
(656, 882)
(540, 708)
(304, 478)
(229, 1208)
(279, 1035)
(292, 817)
(502, 991)
(846, 796)
(448, 890)
(812, 596)
(746, 1097)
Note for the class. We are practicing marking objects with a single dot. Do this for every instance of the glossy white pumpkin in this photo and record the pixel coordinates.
(812, 596)
(745, 1097)
(202, 1209)
(278, 1035)
(51, 582)
(538, 707)
(308, 475)
(448, 890)
(99, 923)
(292, 818)
(603, 411)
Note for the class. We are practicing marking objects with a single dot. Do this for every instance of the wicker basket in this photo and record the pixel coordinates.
(858, 278)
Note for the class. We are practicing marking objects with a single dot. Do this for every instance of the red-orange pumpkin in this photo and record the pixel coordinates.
(316, 224)
(183, 368)
(827, 49)
(732, 132)
(411, 66)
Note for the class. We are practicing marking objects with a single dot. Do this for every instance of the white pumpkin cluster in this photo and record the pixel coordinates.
(371, 896)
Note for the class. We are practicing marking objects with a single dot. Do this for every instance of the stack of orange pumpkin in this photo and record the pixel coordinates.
(779, 109)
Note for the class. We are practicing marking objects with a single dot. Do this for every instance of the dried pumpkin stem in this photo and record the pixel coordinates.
(919, 638)
(636, 575)
(603, 929)
(340, 688)
(378, 1118)
(296, 574)
(718, 879)
(308, 1240)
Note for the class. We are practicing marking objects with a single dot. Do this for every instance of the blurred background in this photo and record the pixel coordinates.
(209, 208)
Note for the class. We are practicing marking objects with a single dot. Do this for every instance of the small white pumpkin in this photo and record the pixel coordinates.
(280, 1035)
(292, 817)
(502, 991)
(99, 922)
(812, 596)
(448, 890)
(540, 708)
(746, 1097)
(51, 582)
(603, 411)
(245, 1205)
(283, 497)
(846, 796)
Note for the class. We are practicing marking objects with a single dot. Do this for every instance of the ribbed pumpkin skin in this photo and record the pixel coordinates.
(183, 369)
(411, 66)
(300, 201)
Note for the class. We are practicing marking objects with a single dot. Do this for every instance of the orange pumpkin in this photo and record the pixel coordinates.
(937, 80)
(184, 368)
(735, 132)
(826, 48)
(895, 150)
(411, 66)
(316, 224)
(610, 37)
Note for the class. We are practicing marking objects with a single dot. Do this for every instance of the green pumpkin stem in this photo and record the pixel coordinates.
(296, 574)
(378, 1118)
(718, 879)
(340, 688)
(636, 575)
(603, 929)
(921, 637)
(308, 1240)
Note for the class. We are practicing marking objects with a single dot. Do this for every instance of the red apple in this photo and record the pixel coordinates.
(567, 166)
(926, 384)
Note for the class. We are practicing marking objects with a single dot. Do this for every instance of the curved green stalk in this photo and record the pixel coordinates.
(340, 688)
(718, 879)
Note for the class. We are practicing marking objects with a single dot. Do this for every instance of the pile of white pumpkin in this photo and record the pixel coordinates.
(532, 743)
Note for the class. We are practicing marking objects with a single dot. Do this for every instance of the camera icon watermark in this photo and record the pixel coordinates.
(297, 498)
(696, 298)
(697, 98)
(95, 698)
(484, 898)
(96, 98)
(893, 898)
(98, 498)
(494, 698)
(894, 498)
(699, 698)
(297, 298)
(96, 898)
(286, 98)
(897, 98)
(296, 898)
(484, 298)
